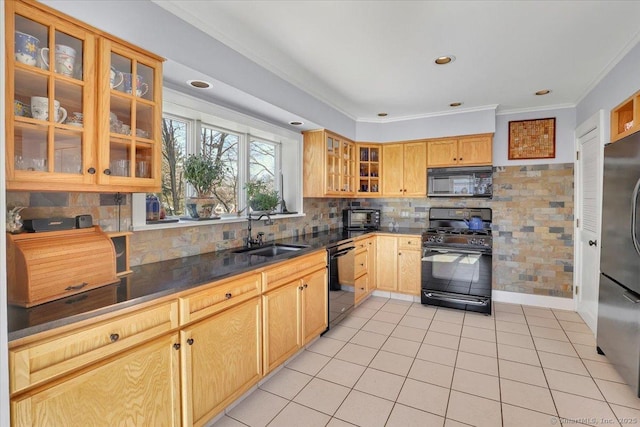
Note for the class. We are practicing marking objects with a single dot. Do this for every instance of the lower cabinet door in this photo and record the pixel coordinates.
(140, 387)
(315, 310)
(361, 287)
(409, 271)
(282, 326)
(220, 361)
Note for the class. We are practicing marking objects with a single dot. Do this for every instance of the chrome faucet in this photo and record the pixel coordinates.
(259, 240)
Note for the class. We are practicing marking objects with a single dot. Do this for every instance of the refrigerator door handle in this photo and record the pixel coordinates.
(631, 298)
(634, 217)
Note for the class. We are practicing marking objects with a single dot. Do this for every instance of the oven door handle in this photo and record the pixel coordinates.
(463, 299)
(342, 252)
(458, 251)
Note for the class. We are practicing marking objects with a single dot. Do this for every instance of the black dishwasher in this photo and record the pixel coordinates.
(341, 298)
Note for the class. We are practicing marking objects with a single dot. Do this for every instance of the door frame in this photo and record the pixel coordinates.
(595, 122)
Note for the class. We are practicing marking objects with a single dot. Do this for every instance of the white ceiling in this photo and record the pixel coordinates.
(366, 57)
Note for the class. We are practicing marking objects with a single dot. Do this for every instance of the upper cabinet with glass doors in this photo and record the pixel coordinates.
(59, 105)
(329, 167)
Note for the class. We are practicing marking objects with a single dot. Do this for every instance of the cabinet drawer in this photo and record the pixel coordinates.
(407, 242)
(361, 263)
(281, 273)
(219, 296)
(38, 362)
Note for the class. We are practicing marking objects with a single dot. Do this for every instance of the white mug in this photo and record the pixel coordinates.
(65, 58)
(40, 109)
(115, 78)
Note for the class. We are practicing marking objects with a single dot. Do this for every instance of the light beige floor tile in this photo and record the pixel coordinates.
(515, 328)
(341, 372)
(369, 339)
(527, 396)
(424, 396)
(560, 362)
(474, 410)
(476, 383)
(548, 333)
(391, 362)
(603, 371)
(518, 354)
(513, 416)
(538, 312)
(335, 422)
(510, 317)
(374, 303)
(446, 327)
(433, 353)
(358, 354)
(449, 315)
(365, 313)
(442, 340)
(405, 416)
(620, 394)
(400, 346)
(573, 383)
(430, 372)
(571, 316)
(258, 409)
(517, 340)
(385, 316)
(478, 333)
(544, 322)
(589, 352)
(341, 333)
(407, 333)
(380, 383)
(308, 362)
(448, 422)
(484, 348)
(227, 421)
(575, 327)
(294, 412)
(553, 346)
(322, 395)
(399, 307)
(575, 407)
(422, 311)
(626, 416)
(364, 409)
(286, 383)
(353, 322)
(477, 363)
(508, 308)
(580, 338)
(379, 327)
(522, 372)
(327, 346)
(415, 322)
(479, 321)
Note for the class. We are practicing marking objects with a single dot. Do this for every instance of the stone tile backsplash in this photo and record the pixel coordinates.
(532, 216)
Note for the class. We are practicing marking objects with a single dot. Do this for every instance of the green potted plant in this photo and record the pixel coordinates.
(261, 198)
(203, 173)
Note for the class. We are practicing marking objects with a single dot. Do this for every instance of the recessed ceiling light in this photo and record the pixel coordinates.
(455, 104)
(543, 92)
(442, 60)
(296, 123)
(199, 84)
(382, 114)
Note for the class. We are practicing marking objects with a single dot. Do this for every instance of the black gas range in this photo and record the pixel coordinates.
(457, 259)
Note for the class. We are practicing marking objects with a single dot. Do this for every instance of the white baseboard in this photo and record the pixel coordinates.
(534, 300)
(393, 295)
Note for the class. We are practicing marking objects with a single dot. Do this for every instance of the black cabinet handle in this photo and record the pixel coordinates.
(76, 287)
(107, 171)
(306, 286)
(190, 341)
(176, 346)
(301, 288)
(593, 243)
(114, 337)
(228, 295)
(91, 171)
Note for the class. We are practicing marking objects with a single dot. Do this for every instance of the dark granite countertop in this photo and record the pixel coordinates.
(152, 281)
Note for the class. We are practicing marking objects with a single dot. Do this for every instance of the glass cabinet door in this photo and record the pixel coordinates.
(368, 169)
(50, 88)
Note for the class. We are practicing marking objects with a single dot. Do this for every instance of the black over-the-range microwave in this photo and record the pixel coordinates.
(468, 181)
(361, 219)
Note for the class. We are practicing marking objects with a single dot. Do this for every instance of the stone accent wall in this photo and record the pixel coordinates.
(533, 225)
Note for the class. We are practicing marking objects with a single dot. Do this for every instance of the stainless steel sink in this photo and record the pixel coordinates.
(271, 250)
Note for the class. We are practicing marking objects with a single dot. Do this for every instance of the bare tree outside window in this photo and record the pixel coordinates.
(223, 146)
(174, 139)
(262, 163)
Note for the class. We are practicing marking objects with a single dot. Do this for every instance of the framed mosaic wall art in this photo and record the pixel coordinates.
(532, 139)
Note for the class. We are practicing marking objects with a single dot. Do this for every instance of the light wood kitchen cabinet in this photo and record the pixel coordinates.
(398, 263)
(221, 359)
(329, 165)
(294, 309)
(404, 170)
(625, 117)
(364, 269)
(70, 144)
(369, 167)
(460, 151)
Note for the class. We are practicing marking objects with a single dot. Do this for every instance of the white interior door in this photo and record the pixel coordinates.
(588, 212)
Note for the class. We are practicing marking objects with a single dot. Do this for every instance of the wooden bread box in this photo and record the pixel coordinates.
(43, 267)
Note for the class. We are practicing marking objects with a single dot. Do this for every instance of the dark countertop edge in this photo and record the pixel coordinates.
(46, 326)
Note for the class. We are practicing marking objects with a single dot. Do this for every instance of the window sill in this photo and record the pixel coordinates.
(224, 220)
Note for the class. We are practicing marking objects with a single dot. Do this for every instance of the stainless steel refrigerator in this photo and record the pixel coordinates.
(619, 298)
